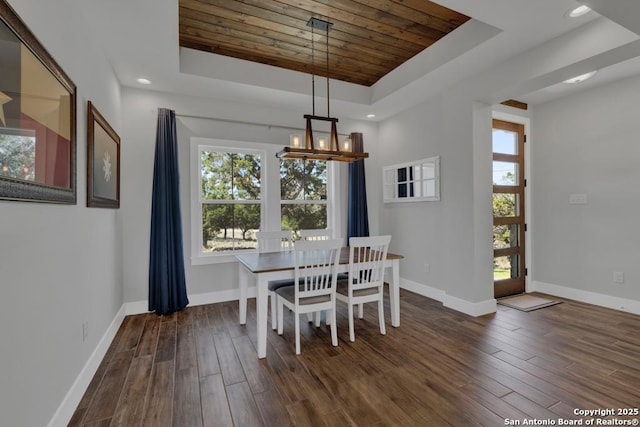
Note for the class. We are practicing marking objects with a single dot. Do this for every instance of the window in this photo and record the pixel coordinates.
(303, 194)
(236, 190)
(230, 198)
(412, 182)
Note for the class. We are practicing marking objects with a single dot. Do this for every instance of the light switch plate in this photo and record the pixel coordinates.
(578, 199)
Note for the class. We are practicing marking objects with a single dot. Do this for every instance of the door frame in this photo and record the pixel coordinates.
(510, 114)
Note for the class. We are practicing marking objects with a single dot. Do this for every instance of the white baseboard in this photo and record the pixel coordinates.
(424, 290)
(474, 309)
(138, 307)
(602, 300)
(470, 308)
(72, 399)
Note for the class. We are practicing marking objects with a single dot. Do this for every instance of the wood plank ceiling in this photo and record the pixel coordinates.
(369, 38)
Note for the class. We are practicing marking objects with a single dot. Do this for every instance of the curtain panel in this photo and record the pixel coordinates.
(357, 214)
(167, 286)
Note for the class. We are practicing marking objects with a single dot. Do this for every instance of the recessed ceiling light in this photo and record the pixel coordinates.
(581, 77)
(144, 81)
(579, 11)
(370, 116)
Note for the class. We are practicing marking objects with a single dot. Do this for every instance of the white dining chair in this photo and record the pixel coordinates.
(365, 283)
(316, 264)
(275, 241)
(318, 234)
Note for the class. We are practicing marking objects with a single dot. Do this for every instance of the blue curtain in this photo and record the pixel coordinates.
(167, 286)
(357, 214)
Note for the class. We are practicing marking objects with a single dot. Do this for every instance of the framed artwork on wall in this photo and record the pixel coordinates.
(37, 118)
(103, 162)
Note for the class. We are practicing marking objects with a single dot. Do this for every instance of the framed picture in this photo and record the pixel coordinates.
(37, 118)
(103, 162)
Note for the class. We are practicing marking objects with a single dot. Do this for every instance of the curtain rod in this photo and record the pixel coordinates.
(242, 122)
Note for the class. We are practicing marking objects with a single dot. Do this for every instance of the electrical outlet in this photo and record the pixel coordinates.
(85, 331)
(426, 267)
(618, 277)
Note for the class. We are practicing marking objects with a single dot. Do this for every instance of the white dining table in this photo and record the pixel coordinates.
(261, 267)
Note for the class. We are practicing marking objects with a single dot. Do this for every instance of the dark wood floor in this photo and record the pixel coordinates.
(199, 367)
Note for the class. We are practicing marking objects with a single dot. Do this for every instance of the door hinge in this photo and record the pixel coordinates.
(525, 227)
(525, 138)
(525, 182)
(526, 271)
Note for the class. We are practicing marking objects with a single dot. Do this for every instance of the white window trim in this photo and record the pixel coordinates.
(197, 145)
(269, 196)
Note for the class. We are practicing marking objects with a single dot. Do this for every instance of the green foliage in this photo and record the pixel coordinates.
(229, 176)
(236, 177)
(303, 180)
(17, 156)
(504, 205)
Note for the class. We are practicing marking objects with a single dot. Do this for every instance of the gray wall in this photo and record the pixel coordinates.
(60, 266)
(139, 107)
(588, 144)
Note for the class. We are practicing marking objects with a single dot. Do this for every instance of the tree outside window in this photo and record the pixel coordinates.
(303, 194)
(231, 199)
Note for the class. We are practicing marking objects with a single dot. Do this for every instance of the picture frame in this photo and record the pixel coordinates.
(37, 118)
(103, 161)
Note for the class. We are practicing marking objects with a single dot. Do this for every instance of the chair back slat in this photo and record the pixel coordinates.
(319, 234)
(316, 267)
(366, 261)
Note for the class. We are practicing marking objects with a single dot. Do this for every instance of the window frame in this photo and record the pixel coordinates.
(326, 201)
(198, 145)
(269, 193)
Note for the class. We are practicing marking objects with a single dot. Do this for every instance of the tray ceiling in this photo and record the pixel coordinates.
(369, 38)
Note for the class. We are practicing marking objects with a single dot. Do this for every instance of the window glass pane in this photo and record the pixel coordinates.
(389, 176)
(216, 178)
(505, 267)
(229, 227)
(505, 173)
(505, 236)
(230, 176)
(402, 174)
(429, 188)
(402, 190)
(505, 205)
(505, 142)
(428, 171)
(303, 180)
(416, 173)
(245, 169)
(303, 216)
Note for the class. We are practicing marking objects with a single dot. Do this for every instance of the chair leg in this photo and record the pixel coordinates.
(383, 329)
(352, 334)
(280, 316)
(318, 317)
(310, 317)
(297, 333)
(360, 310)
(273, 297)
(334, 329)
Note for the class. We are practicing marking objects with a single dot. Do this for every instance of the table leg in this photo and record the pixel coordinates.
(243, 279)
(262, 302)
(394, 294)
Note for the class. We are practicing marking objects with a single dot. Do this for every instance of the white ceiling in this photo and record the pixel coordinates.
(536, 36)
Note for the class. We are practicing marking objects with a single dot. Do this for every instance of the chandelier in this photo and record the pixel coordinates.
(323, 151)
